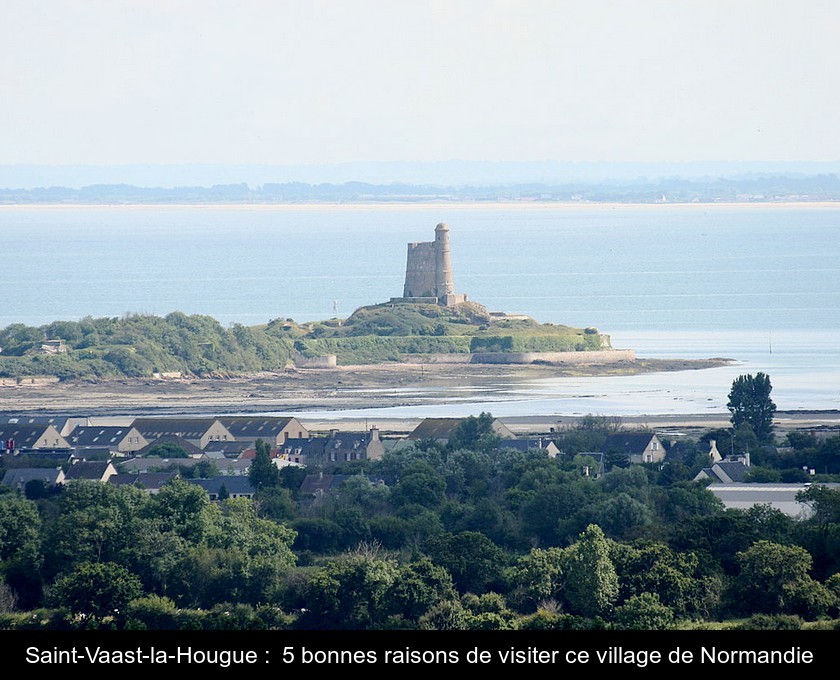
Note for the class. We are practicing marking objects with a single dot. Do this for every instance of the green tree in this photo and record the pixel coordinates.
(418, 587)
(674, 577)
(475, 433)
(774, 579)
(20, 548)
(591, 582)
(537, 577)
(349, 593)
(474, 560)
(93, 522)
(96, 590)
(750, 403)
(420, 484)
(263, 472)
(181, 508)
(167, 450)
(19, 529)
(643, 612)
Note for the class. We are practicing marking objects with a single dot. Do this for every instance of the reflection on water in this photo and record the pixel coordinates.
(804, 369)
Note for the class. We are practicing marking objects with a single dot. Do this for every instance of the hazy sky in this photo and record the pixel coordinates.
(286, 82)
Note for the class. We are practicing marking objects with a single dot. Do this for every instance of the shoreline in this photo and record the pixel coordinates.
(358, 388)
(312, 389)
(402, 205)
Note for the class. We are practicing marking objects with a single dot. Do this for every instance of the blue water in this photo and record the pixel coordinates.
(760, 284)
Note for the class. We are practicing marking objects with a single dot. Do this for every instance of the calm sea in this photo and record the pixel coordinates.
(760, 284)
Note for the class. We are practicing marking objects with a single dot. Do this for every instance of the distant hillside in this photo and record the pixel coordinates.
(139, 346)
(765, 188)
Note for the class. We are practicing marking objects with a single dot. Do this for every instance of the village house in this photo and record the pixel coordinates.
(64, 424)
(531, 444)
(230, 449)
(150, 482)
(18, 478)
(309, 451)
(726, 471)
(120, 441)
(235, 486)
(349, 446)
(16, 437)
(273, 431)
(639, 447)
(594, 465)
(442, 429)
(95, 471)
(197, 431)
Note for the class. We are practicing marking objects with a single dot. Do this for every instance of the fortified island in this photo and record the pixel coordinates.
(430, 323)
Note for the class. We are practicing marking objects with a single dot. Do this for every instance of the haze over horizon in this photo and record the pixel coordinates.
(367, 84)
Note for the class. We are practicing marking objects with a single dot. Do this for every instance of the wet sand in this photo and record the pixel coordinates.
(355, 387)
(345, 387)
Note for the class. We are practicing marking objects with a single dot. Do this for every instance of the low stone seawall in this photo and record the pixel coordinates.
(612, 356)
(326, 361)
(28, 381)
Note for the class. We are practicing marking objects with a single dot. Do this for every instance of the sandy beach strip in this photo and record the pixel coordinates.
(356, 387)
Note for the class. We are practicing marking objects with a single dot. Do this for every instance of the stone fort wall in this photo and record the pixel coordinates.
(596, 357)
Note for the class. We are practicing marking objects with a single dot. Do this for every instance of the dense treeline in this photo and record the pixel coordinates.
(139, 345)
(464, 536)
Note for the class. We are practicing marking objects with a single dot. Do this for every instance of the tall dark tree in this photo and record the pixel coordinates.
(475, 433)
(750, 404)
(263, 473)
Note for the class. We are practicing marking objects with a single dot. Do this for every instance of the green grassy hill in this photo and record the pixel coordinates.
(141, 345)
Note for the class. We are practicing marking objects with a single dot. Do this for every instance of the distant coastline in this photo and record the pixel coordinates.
(407, 205)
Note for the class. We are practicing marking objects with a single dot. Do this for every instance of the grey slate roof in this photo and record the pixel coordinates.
(18, 477)
(311, 447)
(320, 484)
(26, 436)
(213, 455)
(631, 443)
(99, 436)
(236, 485)
(726, 472)
(229, 449)
(254, 427)
(187, 428)
(735, 470)
(442, 428)
(524, 445)
(151, 481)
(93, 470)
(57, 422)
(56, 455)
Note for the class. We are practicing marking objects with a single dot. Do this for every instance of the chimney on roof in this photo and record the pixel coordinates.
(374, 433)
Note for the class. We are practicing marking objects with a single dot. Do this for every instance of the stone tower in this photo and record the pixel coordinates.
(428, 271)
(444, 285)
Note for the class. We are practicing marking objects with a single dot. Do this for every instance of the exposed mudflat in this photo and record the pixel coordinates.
(345, 387)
